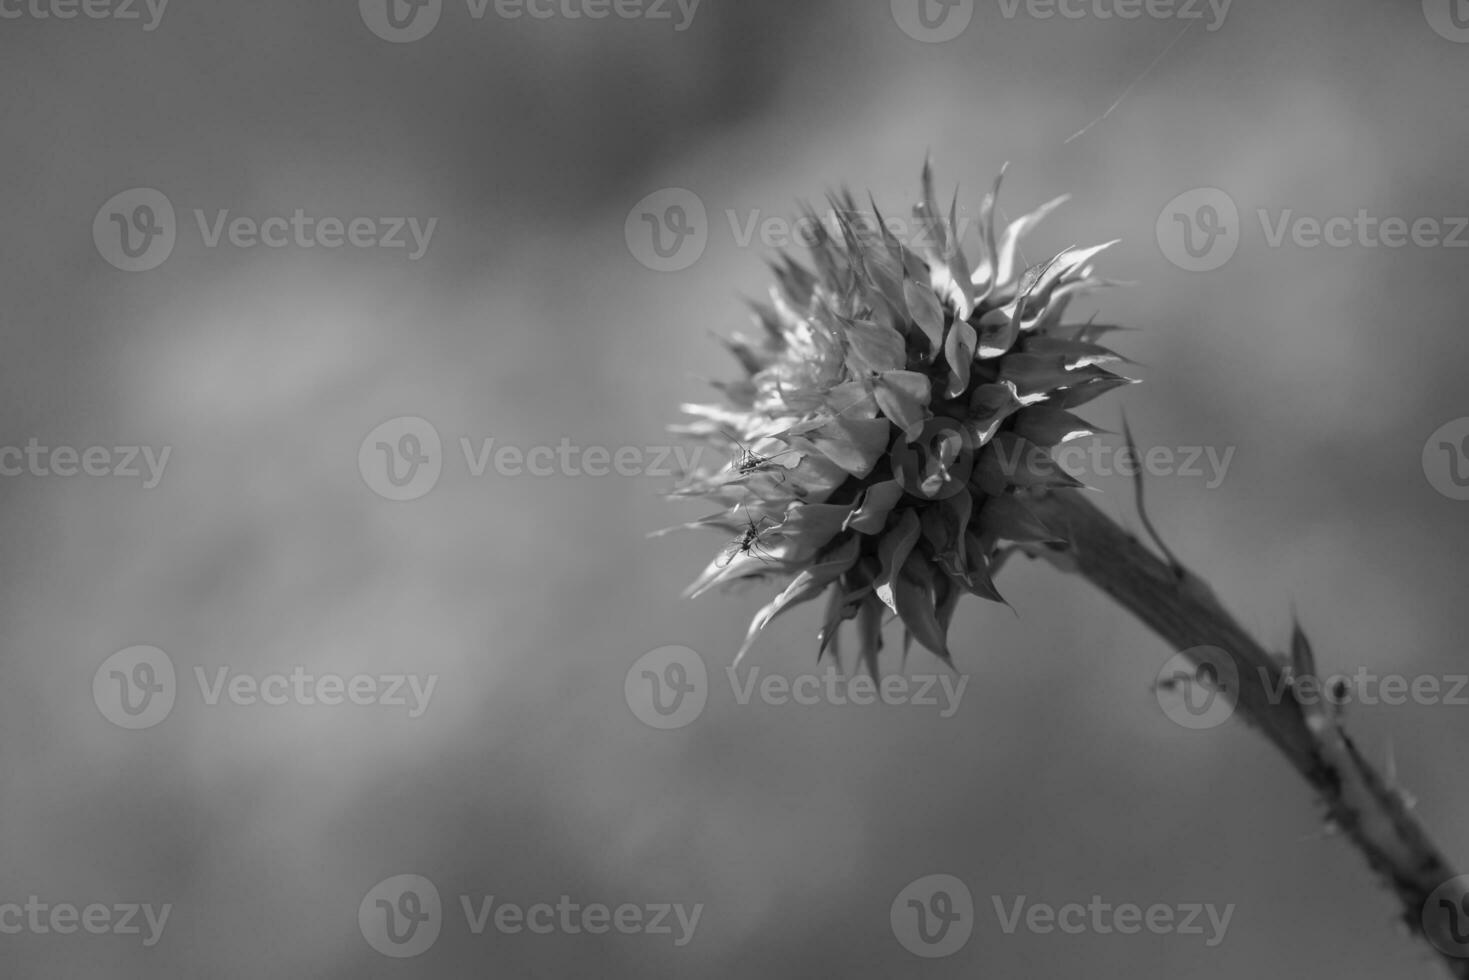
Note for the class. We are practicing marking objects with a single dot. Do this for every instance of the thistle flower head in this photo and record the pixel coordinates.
(897, 407)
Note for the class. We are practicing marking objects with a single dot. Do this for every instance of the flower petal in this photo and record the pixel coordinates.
(880, 348)
(915, 602)
(903, 397)
(959, 352)
(874, 506)
(990, 405)
(893, 551)
(1018, 229)
(806, 586)
(1010, 461)
(869, 635)
(855, 445)
(945, 524)
(808, 527)
(998, 331)
(741, 565)
(927, 312)
(1005, 518)
(1074, 396)
(1046, 425)
(1075, 353)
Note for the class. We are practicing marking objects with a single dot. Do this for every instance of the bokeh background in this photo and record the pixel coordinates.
(529, 320)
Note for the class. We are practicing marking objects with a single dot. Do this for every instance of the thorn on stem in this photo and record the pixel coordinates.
(1142, 509)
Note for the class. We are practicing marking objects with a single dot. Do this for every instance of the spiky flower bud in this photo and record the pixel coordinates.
(898, 406)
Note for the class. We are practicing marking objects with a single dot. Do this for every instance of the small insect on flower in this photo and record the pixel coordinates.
(753, 462)
(748, 543)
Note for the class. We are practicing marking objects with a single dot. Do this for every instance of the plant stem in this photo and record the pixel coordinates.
(1182, 609)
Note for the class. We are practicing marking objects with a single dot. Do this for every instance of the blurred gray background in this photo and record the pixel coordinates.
(530, 319)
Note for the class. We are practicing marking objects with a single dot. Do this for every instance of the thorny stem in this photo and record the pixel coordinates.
(1181, 609)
